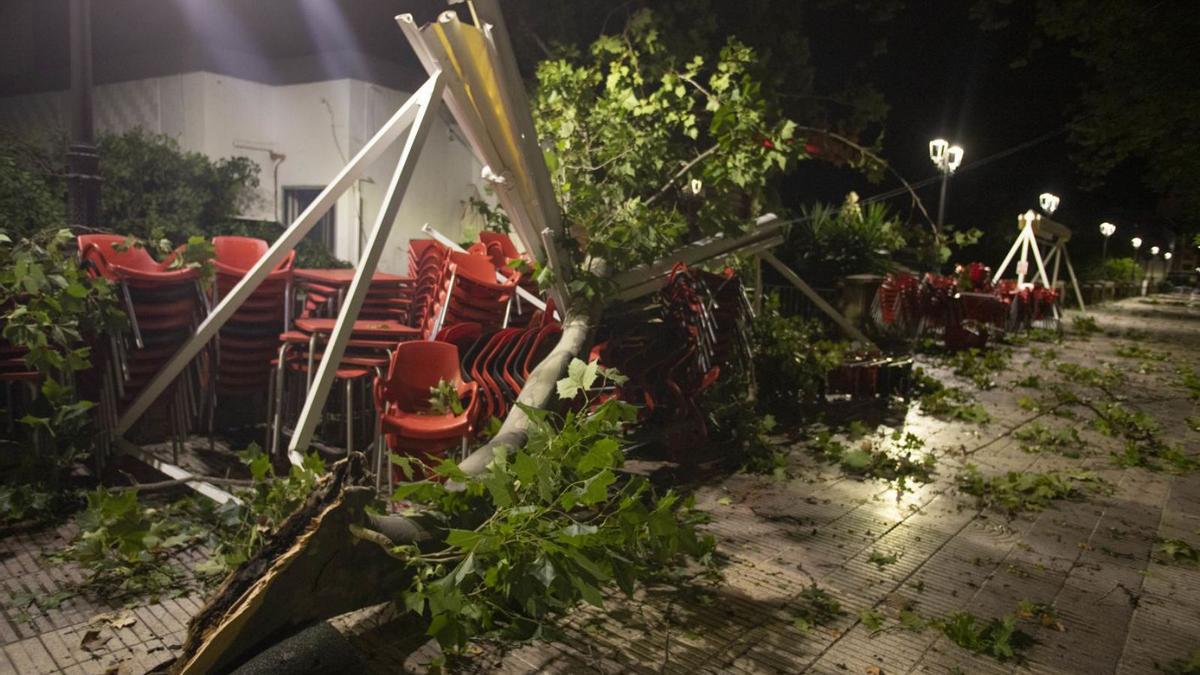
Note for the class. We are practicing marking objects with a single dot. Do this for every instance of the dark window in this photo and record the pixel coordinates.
(295, 200)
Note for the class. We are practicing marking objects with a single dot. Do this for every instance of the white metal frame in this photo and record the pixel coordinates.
(473, 70)
(1057, 236)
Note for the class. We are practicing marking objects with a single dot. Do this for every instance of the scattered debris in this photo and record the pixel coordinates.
(1017, 491)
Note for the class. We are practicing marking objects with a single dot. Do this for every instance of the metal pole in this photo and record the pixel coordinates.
(370, 152)
(836, 316)
(942, 201)
(83, 162)
(1104, 251)
(428, 99)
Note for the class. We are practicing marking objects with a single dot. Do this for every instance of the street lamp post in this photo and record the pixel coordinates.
(1107, 230)
(1150, 265)
(1137, 244)
(83, 162)
(946, 158)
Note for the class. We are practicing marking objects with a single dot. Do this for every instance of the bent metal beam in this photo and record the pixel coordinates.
(224, 310)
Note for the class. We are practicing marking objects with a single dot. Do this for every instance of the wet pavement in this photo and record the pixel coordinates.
(885, 556)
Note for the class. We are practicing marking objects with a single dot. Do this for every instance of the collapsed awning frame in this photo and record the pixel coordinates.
(502, 138)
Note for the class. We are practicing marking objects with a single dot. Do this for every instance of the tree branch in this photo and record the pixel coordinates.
(882, 162)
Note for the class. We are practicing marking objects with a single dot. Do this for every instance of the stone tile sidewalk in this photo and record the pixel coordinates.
(1121, 612)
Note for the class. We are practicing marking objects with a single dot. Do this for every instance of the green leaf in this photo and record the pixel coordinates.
(588, 377)
(464, 539)
(590, 593)
(567, 389)
(601, 455)
(596, 488)
(543, 571)
(414, 602)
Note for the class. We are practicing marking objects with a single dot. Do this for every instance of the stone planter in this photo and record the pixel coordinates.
(858, 292)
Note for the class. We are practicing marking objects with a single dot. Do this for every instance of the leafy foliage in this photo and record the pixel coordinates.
(155, 190)
(1085, 324)
(980, 365)
(50, 307)
(647, 148)
(998, 638)
(950, 403)
(830, 242)
(32, 194)
(1017, 491)
(27, 504)
(444, 400)
(240, 530)
(1187, 665)
(1177, 551)
(1144, 445)
(1119, 270)
(871, 618)
(126, 547)
(563, 524)
(882, 560)
(792, 356)
(1038, 438)
(131, 547)
(877, 457)
(815, 607)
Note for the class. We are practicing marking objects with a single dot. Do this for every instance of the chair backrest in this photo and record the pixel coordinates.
(241, 253)
(110, 249)
(476, 268)
(416, 366)
(506, 244)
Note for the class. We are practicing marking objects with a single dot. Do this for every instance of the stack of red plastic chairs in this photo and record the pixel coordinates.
(1033, 307)
(389, 297)
(164, 304)
(962, 310)
(673, 350)
(504, 254)
(248, 341)
(469, 292)
(14, 370)
(500, 360)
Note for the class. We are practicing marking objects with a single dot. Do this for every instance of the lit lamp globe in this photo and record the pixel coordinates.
(1107, 230)
(1153, 250)
(1048, 202)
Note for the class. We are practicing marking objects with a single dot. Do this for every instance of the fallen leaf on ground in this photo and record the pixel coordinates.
(91, 640)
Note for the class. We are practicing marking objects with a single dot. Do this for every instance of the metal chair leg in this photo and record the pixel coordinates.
(349, 417)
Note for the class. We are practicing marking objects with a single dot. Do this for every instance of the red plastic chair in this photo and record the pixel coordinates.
(236, 255)
(111, 259)
(402, 399)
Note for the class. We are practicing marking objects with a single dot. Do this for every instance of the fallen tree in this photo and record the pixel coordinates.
(689, 160)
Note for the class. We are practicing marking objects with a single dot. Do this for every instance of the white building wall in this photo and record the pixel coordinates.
(318, 126)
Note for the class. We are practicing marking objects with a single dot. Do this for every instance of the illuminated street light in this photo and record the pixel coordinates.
(1107, 230)
(1049, 202)
(1167, 255)
(947, 158)
(1137, 244)
(1153, 250)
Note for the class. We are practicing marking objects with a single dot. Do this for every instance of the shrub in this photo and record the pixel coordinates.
(792, 356)
(830, 241)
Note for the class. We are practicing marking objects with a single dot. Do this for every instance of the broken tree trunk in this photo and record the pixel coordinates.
(311, 568)
(314, 568)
